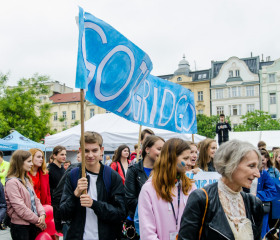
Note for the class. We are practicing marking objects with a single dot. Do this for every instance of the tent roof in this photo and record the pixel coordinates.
(115, 131)
(271, 138)
(7, 146)
(22, 142)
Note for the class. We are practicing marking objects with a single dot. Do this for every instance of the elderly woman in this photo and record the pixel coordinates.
(229, 213)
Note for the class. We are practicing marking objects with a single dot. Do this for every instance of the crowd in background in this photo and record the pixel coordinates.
(149, 197)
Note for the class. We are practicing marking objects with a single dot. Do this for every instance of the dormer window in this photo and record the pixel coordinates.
(237, 73)
(230, 73)
(179, 79)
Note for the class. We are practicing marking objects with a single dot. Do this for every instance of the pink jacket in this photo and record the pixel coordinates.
(156, 219)
(19, 203)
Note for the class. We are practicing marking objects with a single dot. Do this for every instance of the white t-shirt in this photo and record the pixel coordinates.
(91, 226)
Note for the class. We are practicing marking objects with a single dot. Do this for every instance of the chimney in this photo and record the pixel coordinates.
(262, 57)
(251, 54)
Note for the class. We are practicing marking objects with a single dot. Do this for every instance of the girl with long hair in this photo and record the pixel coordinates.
(276, 159)
(121, 161)
(139, 173)
(164, 196)
(40, 176)
(23, 206)
(207, 151)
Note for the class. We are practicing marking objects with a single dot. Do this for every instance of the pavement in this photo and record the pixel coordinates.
(5, 235)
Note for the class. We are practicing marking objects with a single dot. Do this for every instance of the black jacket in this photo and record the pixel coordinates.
(216, 225)
(135, 179)
(110, 210)
(222, 131)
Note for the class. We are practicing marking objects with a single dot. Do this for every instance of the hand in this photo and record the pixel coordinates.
(86, 200)
(195, 171)
(81, 186)
(226, 121)
(41, 223)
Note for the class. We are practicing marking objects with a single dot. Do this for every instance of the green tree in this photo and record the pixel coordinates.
(257, 121)
(206, 126)
(21, 109)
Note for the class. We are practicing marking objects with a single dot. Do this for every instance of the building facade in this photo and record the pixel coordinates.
(235, 87)
(196, 81)
(66, 110)
(270, 88)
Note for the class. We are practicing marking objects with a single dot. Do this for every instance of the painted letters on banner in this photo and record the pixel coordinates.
(116, 75)
(204, 178)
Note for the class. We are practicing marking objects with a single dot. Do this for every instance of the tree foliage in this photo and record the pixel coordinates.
(257, 121)
(206, 126)
(21, 109)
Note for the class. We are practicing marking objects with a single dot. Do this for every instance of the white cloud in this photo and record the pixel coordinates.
(41, 36)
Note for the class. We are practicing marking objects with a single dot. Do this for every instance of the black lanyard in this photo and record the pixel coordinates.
(176, 218)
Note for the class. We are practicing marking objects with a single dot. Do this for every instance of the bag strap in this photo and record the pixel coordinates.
(107, 178)
(74, 177)
(206, 206)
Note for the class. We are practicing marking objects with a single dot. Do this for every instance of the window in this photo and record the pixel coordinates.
(250, 91)
(55, 116)
(179, 79)
(235, 92)
(230, 73)
(220, 110)
(200, 96)
(250, 107)
(219, 93)
(200, 111)
(271, 78)
(64, 114)
(237, 73)
(273, 116)
(91, 113)
(204, 75)
(235, 110)
(73, 115)
(272, 98)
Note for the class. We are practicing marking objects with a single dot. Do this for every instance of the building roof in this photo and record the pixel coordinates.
(66, 97)
(253, 64)
(262, 64)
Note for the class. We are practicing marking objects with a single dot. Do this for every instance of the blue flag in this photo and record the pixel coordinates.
(116, 75)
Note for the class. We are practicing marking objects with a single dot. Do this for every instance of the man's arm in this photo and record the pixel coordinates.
(114, 211)
(68, 202)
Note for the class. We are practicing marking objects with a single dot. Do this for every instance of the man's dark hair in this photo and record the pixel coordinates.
(222, 115)
(1, 154)
(147, 130)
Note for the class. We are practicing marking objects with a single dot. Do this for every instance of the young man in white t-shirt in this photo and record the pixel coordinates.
(96, 214)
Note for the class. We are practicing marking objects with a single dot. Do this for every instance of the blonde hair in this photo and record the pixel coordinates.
(44, 165)
(16, 166)
(276, 163)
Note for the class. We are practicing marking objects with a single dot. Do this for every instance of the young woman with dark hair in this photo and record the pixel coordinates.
(207, 151)
(121, 161)
(164, 196)
(23, 207)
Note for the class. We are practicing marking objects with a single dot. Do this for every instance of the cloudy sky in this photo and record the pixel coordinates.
(41, 36)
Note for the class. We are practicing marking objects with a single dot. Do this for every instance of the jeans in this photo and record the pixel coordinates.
(24, 232)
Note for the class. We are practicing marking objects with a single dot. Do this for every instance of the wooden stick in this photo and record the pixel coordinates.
(192, 137)
(82, 133)
(139, 139)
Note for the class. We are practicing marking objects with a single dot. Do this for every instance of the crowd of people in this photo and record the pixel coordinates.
(147, 197)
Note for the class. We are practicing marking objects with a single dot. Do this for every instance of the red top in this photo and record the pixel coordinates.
(118, 168)
(41, 186)
(36, 184)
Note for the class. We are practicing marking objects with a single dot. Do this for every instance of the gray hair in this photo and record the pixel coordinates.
(230, 154)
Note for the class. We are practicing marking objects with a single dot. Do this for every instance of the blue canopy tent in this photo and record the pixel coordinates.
(7, 146)
(22, 142)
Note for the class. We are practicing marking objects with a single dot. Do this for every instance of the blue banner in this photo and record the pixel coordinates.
(116, 75)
